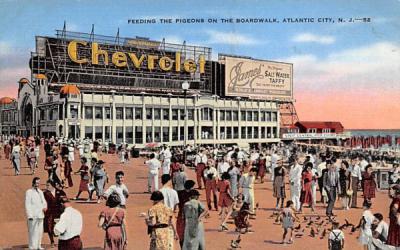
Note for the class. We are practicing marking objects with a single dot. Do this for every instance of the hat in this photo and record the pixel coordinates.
(157, 196)
(100, 162)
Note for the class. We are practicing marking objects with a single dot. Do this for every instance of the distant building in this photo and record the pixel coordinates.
(8, 116)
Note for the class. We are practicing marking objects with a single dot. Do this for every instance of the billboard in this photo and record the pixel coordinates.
(258, 79)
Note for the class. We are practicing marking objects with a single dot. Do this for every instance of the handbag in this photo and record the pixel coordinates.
(105, 225)
(91, 187)
(349, 192)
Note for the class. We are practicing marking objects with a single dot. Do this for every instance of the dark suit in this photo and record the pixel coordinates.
(332, 187)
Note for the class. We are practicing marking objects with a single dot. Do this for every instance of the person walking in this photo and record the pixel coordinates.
(184, 196)
(246, 182)
(234, 174)
(393, 238)
(35, 208)
(179, 178)
(154, 166)
(279, 183)
(306, 192)
(112, 220)
(171, 199)
(295, 180)
(69, 227)
(166, 164)
(336, 238)
(85, 178)
(225, 199)
(211, 176)
(200, 164)
(16, 158)
(120, 188)
(99, 178)
(356, 178)
(67, 172)
(345, 184)
(288, 216)
(332, 187)
(369, 184)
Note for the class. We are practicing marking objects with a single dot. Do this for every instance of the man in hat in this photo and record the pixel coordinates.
(154, 165)
(119, 187)
(332, 187)
(35, 207)
(356, 177)
(166, 155)
(295, 176)
(211, 175)
(200, 164)
(171, 199)
(69, 227)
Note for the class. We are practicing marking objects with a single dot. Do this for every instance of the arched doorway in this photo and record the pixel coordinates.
(27, 116)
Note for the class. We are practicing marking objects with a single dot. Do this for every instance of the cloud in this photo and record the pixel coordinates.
(230, 38)
(174, 39)
(312, 38)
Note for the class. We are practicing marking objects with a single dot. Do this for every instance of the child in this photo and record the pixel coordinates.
(242, 223)
(336, 238)
(225, 199)
(287, 217)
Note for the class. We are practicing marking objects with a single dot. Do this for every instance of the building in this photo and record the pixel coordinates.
(8, 116)
(139, 91)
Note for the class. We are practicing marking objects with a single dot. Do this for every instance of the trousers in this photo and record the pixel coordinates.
(295, 191)
(35, 233)
(248, 194)
(152, 182)
(17, 165)
(331, 200)
(354, 187)
(199, 174)
(211, 187)
(166, 166)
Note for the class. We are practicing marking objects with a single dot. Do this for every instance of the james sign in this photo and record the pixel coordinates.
(258, 79)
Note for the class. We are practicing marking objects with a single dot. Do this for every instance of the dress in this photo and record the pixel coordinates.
(234, 173)
(184, 196)
(261, 167)
(306, 192)
(279, 184)
(67, 172)
(369, 185)
(114, 239)
(161, 236)
(344, 182)
(194, 229)
(393, 238)
(53, 209)
(83, 185)
(287, 221)
(99, 176)
(224, 199)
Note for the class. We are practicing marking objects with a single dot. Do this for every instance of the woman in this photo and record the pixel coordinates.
(225, 199)
(194, 230)
(279, 184)
(32, 159)
(112, 220)
(52, 196)
(262, 167)
(67, 171)
(184, 196)
(345, 184)
(84, 172)
(99, 177)
(306, 192)
(159, 223)
(234, 173)
(393, 238)
(369, 184)
(50, 165)
(174, 170)
(365, 224)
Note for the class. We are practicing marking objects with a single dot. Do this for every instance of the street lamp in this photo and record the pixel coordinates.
(185, 87)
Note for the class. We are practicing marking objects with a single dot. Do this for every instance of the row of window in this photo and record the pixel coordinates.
(161, 134)
(206, 114)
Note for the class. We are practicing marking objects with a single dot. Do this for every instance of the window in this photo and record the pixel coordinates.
(268, 116)
(229, 115)
(274, 116)
(222, 134)
(243, 132)
(206, 132)
(249, 115)
(207, 114)
(157, 134)
(157, 114)
(50, 114)
(73, 109)
(88, 112)
(138, 114)
(129, 113)
(190, 133)
(255, 132)
(107, 133)
(129, 135)
(222, 115)
(274, 132)
(249, 133)
(119, 111)
(149, 134)
(190, 114)
(262, 116)
(120, 134)
(263, 135)
(255, 116)
(138, 135)
(182, 133)
(182, 114)
(243, 115)
(165, 114)
(98, 132)
(107, 111)
(269, 135)
(175, 114)
(149, 114)
(228, 133)
(174, 133)
(98, 112)
(235, 115)
(235, 133)
(89, 133)
(165, 134)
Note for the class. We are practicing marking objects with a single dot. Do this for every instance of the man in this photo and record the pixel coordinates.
(274, 161)
(171, 199)
(336, 238)
(381, 228)
(154, 165)
(332, 187)
(295, 175)
(222, 167)
(321, 168)
(119, 187)
(246, 182)
(16, 158)
(200, 164)
(166, 155)
(69, 227)
(211, 175)
(35, 207)
(356, 177)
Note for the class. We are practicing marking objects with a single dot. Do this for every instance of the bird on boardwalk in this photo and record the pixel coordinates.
(323, 234)
(298, 227)
(312, 232)
(235, 243)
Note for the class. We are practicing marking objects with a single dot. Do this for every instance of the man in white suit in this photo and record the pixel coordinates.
(295, 175)
(35, 207)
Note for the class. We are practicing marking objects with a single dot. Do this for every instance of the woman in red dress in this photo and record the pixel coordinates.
(369, 184)
(393, 238)
(53, 198)
(84, 172)
(306, 192)
(261, 167)
(175, 169)
(225, 199)
(67, 171)
(184, 196)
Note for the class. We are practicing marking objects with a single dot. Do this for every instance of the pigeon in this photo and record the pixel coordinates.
(298, 227)
(272, 215)
(257, 205)
(309, 223)
(318, 217)
(312, 232)
(235, 243)
(323, 234)
(277, 218)
(298, 235)
(305, 218)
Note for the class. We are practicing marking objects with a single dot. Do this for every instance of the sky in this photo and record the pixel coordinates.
(343, 71)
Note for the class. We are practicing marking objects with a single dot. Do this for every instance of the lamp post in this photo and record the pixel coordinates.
(112, 130)
(185, 87)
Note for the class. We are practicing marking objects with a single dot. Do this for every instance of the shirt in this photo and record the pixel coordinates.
(222, 168)
(153, 165)
(170, 197)
(200, 158)
(35, 203)
(70, 224)
(167, 154)
(356, 172)
(246, 181)
(120, 190)
(383, 229)
(339, 235)
(212, 171)
(363, 164)
(295, 174)
(321, 167)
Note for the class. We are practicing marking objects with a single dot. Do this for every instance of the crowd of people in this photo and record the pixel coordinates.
(228, 175)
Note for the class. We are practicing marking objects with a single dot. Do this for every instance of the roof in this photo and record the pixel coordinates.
(70, 89)
(23, 81)
(320, 124)
(6, 100)
(41, 76)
